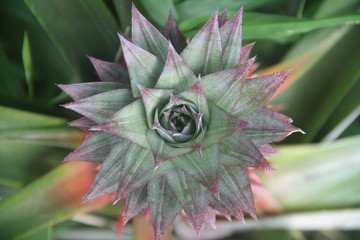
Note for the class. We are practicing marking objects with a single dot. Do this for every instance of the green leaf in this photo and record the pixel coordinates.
(56, 199)
(87, 28)
(153, 99)
(101, 106)
(239, 150)
(129, 123)
(146, 36)
(276, 30)
(231, 40)
(107, 179)
(192, 196)
(164, 206)
(224, 87)
(95, 148)
(176, 74)
(203, 53)
(203, 168)
(257, 92)
(333, 171)
(222, 125)
(138, 169)
(28, 65)
(144, 68)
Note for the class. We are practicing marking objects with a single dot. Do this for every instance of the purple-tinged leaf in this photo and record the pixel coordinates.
(203, 53)
(161, 150)
(138, 169)
(224, 87)
(106, 180)
(245, 52)
(176, 74)
(83, 123)
(267, 150)
(210, 217)
(203, 168)
(79, 91)
(239, 150)
(223, 18)
(231, 40)
(144, 68)
(192, 196)
(196, 94)
(222, 125)
(164, 206)
(146, 36)
(100, 107)
(172, 33)
(235, 189)
(136, 202)
(95, 148)
(227, 208)
(267, 126)
(110, 72)
(257, 92)
(129, 123)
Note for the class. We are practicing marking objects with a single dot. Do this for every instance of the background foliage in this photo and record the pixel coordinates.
(43, 42)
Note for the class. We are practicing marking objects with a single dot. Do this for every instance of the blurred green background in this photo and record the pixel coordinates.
(314, 193)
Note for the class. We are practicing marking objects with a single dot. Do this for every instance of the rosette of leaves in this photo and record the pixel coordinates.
(176, 124)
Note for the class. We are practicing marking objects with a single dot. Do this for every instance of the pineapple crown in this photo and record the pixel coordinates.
(176, 126)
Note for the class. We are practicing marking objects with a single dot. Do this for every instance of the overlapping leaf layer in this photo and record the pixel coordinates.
(176, 125)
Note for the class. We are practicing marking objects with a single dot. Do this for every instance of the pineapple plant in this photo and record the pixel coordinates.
(176, 123)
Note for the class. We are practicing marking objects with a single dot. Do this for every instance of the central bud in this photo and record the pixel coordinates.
(178, 122)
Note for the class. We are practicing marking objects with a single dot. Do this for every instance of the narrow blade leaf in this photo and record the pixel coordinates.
(136, 202)
(173, 34)
(110, 72)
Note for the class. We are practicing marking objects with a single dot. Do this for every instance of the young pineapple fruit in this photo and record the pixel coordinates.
(176, 126)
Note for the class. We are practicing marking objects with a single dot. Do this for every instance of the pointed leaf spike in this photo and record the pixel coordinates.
(203, 54)
(173, 34)
(146, 36)
(231, 39)
(245, 52)
(144, 68)
(176, 74)
(223, 18)
(164, 206)
(110, 72)
(193, 197)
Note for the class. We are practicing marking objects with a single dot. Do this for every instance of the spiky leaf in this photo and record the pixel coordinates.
(101, 106)
(110, 72)
(164, 206)
(193, 197)
(136, 202)
(203, 54)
